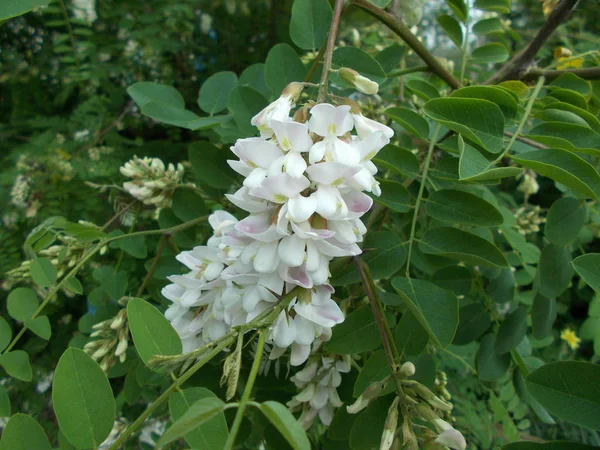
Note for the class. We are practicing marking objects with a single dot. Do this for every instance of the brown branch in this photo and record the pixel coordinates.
(315, 63)
(520, 63)
(410, 39)
(589, 73)
(335, 24)
(161, 247)
(526, 141)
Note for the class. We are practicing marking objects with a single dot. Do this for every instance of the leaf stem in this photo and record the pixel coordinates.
(335, 24)
(161, 247)
(165, 395)
(401, 72)
(465, 47)
(410, 39)
(420, 197)
(526, 114)
(237, 421)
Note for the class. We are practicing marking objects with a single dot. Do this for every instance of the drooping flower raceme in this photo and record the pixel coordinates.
(303, 192)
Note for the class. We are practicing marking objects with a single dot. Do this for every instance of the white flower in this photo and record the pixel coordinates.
(365, 126)
(451, 437)
(278, 110)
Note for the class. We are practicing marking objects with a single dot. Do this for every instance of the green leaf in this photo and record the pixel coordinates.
(490, 365)
(254, 77)
(367, 428)
(435, 308)
(210, 165)
(16, 364)
(543, 315)
(151, 331)
(488, 26)
(564, 167)
(589, 118)
(180, 117)
(569, 96)
(144, 92)
(457, 244)
(517, 88)
(505, 101)
(452, 28)
(197, 414)
(40, 326)
(43, 272)
(558, 115)
(74, 285)
(523, 393)
(389, 58)
(473, 166)
(480, 121)
(375, 369)
(357, 59)
(526, 250)
(393, 195)
(5, 333)
(454, 206)
(309, 25)
(410, 336)
(499, 6)
(113, 283)
(282, 67)
(22, 303)
(512, 331)
(24, 433)
(212, 433)
(460, 8)
(385, 256)
(568, 390)
(134, 246)
(82, 399)
(4, 402)
(490, 53)
(357, 334)
(457, 279)
(188, 205)
(555, 270)
(564, 220)
(410, 120)
(286, 424)
(380, 3)
(588, 268)
(423, 89)
(574, 83)
(554, 445)
(244, 103)
(399, 160)
(215, 91)
(568, 136)
(474, 320)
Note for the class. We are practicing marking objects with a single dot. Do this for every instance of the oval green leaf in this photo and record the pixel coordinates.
(24, 433)
(309, 25)
(215, 91)
(454, 206)
(564, 220)
(83, 399)
(588, 268)
(282, 67)
(357, 334)
(17, 365)
(555, 270)
(43, 272)
(286, 424)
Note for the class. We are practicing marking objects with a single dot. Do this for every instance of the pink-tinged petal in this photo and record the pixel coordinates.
(240, 167)
(362, 180)
(299, 354)
(329, 203)
(284, 331)
(221, 219)
(365, 126)
(294, 164)
(256, 152)
(321, 294)
(244, 201)
(258, 226)
(330, 172)
(291, 250)
(321, 275)
(344, 231)
(300, 208)
(292, 136)
(306, 231)
(317, 152)
(299, 276)
(357, 202)
(279, 188)
(327, 315)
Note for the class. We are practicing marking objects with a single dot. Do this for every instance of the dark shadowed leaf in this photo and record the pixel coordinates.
(564, 220)
(490, 365)
(588, 268)
(281, 417)
(474, 320)
(357, 334)
(512, 331)
(24, 433)
(555, 270)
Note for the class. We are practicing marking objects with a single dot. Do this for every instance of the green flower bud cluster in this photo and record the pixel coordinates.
(528, 219)
(112, 340)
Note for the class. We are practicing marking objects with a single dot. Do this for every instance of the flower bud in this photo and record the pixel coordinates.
(363, 84)
(389, 429)
(293, 91)
(373, 391)
(408, 369)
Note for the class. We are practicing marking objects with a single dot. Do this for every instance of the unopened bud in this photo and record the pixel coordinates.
(430, 397)
(363, 84)
(293, 91)
(301, 115)
(408, 369)
(373, 391)
(389, 429)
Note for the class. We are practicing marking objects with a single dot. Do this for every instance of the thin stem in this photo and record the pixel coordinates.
(237, 421)
(401, 72)
(118, 214)
(410, 39)
(53, 292)
(524, 140)
(588, 73)
(315, 63)
(413, 227)
(465, 47)
(70, 31)
(165, 395)
(161, 247)
(335, 24)
(526, 114)
(571, 58)
(167, 231)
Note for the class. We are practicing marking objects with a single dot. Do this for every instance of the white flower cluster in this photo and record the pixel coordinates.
(318, 383)
(152, 182)
(303, 192)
